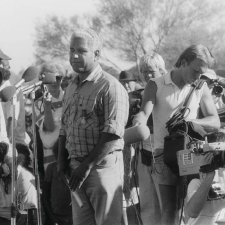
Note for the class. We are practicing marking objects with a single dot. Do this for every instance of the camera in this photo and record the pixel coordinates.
(189, 160)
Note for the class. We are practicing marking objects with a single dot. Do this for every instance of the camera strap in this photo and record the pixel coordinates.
(179, 115)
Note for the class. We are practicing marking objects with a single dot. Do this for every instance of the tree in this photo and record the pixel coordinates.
(53, 37)
(135, 28)
(132, 28)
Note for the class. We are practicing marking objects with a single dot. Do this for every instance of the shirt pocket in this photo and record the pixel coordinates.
(86, 115)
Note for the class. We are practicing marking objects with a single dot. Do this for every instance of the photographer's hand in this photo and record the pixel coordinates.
(198, 128)
(212, 161)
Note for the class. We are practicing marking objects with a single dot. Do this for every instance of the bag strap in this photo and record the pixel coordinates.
(195, 86)
(179, 114)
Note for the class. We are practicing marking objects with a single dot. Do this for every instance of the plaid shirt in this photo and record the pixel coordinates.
(98, 104)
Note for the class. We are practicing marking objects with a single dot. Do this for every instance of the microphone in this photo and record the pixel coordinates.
(7, 93)
(47, 78)
(29, 74)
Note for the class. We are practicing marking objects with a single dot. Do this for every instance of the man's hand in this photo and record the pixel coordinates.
(47, 98)
(199, 129)
(211, 161)
(78, 176)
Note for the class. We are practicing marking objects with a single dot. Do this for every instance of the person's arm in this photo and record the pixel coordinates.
(115, 106)
(198, 199)
(210, 118)
(103, 148)
(147, 105)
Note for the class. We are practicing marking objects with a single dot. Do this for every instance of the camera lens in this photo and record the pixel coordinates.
(217, 90)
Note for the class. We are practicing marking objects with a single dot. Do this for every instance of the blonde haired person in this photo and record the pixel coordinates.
(152, 66)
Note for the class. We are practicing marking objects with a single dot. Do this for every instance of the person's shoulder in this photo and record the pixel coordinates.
(110, 81)
(109, 77)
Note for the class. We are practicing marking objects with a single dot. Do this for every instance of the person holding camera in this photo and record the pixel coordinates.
(162, 97)
(216, 85)
(205, 199)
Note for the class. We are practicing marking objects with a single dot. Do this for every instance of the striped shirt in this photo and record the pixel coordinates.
(98, 104)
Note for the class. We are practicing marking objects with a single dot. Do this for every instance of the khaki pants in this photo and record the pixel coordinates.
(101, 193)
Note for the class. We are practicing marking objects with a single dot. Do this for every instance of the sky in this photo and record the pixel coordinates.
(17, 24)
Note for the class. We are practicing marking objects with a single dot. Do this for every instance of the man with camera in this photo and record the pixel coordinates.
(205, 198)
(163, 96)
(216, 86)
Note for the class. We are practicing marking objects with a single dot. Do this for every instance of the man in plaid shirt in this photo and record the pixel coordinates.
(95, 112)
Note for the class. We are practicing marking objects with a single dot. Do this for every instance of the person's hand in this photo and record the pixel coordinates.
(207, 158)
(78, 176)
(197, 128)
(47, 97)
(212, 161)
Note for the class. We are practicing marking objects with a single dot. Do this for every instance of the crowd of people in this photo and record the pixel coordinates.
(73, 164)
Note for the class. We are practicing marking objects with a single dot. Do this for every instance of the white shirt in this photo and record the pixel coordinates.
(168, 99)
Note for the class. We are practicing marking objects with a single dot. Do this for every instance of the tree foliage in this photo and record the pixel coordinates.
(135, 27)
(132, 28)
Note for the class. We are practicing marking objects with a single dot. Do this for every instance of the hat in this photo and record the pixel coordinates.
(4, 56)
(210, 74)
(126, 76)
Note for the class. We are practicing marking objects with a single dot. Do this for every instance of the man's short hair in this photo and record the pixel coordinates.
(91, 36)
(196, 52)
(153, 60)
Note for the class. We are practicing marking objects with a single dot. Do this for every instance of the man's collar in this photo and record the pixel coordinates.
(93, 76)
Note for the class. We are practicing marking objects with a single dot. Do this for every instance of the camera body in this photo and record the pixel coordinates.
(189, 160)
